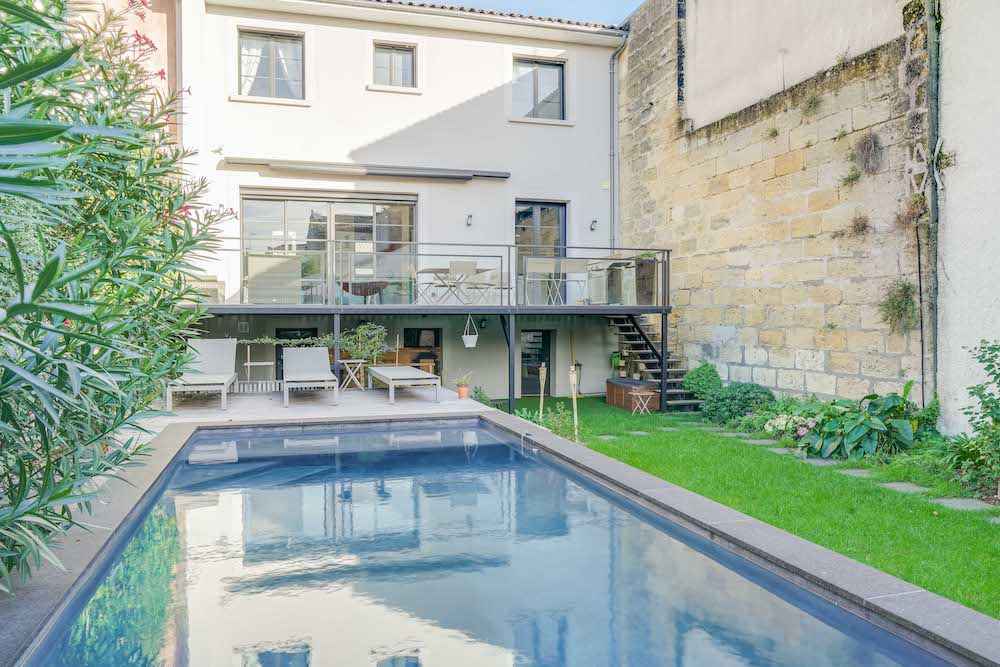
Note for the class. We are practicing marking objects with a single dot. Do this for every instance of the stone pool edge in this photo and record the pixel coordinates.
(27, 619)
(937, 624)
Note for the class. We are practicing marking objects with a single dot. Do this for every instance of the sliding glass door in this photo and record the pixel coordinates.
(305, 251)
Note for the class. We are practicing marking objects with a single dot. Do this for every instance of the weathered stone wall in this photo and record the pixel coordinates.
(769, 278)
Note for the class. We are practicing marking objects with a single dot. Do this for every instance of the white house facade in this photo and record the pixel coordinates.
(418, 165)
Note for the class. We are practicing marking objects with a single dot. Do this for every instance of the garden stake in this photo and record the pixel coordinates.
(542, 372)
(572, 389)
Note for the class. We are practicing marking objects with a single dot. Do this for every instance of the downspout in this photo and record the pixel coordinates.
(933, 15)
(613, 155)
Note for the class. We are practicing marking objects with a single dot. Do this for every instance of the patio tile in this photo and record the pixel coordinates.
(995, 519)
(904, 487)
(856, 472)
(967, 504)
(606, 437)
(731, 434)
(637, 434)
(669, 429)
(821, 463)
(779, 450)
(760, 441)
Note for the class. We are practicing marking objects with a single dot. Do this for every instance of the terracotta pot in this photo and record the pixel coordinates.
(463, 392)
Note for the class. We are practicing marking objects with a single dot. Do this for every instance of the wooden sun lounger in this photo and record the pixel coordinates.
(404, 376)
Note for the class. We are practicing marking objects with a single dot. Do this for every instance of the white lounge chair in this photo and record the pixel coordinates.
(308, 368)
(213, 369)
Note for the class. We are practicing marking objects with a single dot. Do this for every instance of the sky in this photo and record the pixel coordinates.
(597, 11)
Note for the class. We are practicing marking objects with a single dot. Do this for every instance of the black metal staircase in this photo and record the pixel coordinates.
(639, 339)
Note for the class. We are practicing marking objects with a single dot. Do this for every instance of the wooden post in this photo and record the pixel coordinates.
(572, 391)
(542, 373)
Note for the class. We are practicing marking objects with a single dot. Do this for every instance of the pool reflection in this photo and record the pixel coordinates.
(446, 547)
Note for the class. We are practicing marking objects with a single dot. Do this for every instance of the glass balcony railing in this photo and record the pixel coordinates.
(350, 273)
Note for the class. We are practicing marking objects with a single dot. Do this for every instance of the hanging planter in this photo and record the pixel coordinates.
(471, 334)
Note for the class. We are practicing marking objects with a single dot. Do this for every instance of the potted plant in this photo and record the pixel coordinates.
(462, 382)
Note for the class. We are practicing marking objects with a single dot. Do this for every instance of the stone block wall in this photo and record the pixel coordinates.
(780, 256)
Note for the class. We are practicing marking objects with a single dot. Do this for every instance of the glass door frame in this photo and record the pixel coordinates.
(331, 199)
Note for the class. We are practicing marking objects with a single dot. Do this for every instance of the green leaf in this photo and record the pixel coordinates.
(35, 381)
(904, 429)
(23, 14)
(37, 67)
(49, 271)
(16, 132)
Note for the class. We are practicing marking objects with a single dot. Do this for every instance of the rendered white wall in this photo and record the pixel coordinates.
(460, 119)
(738, 53)
(969, 269)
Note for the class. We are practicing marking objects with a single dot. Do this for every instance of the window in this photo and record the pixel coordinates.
(394, 66)
(271, 65)
(538, 90)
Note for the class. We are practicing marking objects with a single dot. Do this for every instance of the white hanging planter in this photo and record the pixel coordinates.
(471, 334)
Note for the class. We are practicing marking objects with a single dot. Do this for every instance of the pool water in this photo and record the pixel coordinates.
(428, 544)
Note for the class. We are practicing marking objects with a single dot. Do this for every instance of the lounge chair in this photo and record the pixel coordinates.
(213, 369)
(308, 368)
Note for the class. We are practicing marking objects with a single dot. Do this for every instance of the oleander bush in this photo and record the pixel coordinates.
(736, 400)
(702, 381)
(98, 228)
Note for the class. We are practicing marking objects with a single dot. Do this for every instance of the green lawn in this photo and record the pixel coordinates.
(954, 554)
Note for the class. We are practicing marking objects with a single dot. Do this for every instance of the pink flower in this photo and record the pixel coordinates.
(162, 73)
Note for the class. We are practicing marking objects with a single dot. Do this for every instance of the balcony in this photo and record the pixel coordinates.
(433, 277)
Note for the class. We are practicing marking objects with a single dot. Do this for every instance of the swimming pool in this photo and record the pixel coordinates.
(430, 543)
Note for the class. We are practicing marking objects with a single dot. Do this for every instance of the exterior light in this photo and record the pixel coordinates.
(468, 220)
(593, 225)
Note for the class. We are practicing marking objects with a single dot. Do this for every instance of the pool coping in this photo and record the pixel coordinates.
(952, 631)
(941, 626)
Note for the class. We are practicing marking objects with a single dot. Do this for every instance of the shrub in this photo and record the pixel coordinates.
(558, 419)
(853, 429)
(480, 396)
(366, 341)
(97, 228)
(976, 460)
(735, 400)
(784, 418)
(986, 412)
(703, 381)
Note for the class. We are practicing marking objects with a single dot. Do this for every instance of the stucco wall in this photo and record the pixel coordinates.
(588, 339)
(969, 272)
(740, 52)
(768, 280)
(459, 119)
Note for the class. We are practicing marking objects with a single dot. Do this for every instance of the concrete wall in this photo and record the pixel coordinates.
(737, 53)
(460, 119)
(969, 273)
(768, 281)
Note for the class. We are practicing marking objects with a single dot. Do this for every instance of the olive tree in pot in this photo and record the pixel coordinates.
(462, 382)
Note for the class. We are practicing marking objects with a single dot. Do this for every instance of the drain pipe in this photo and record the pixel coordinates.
(933, 16)
(613, 155)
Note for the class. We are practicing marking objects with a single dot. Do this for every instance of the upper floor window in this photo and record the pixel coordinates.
(271, 65)
(394, 66)
(538, 90)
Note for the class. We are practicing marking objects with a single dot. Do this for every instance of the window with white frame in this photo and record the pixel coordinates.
(539, 90)
(395, 66)
(271, 65)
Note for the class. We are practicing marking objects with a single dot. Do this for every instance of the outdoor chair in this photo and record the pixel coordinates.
(308, 368)
(213, 369)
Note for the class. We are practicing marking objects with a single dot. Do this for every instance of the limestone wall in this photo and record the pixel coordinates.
(769, 280)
